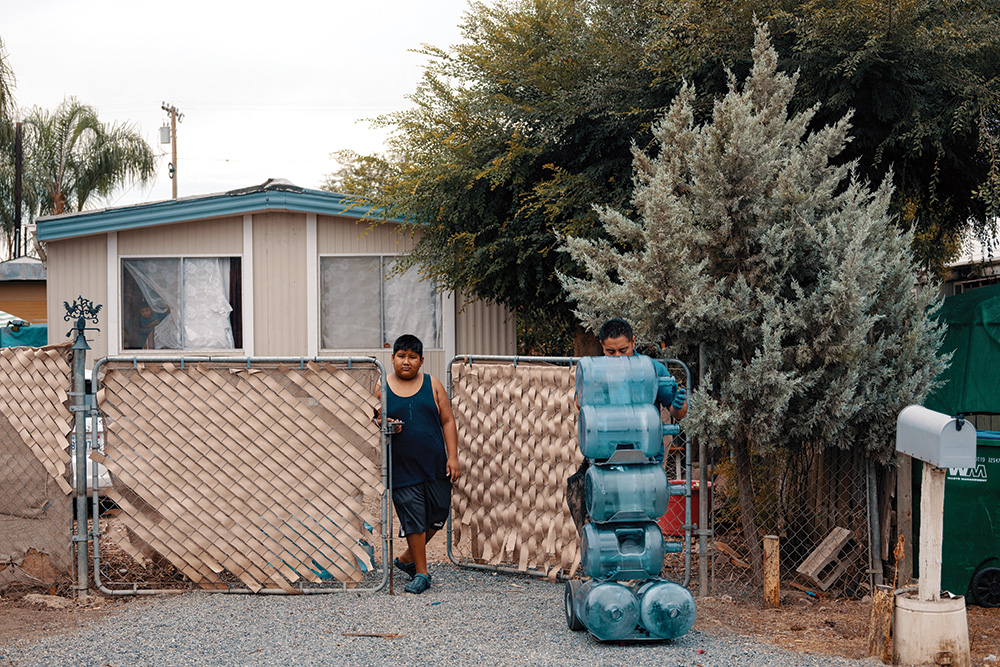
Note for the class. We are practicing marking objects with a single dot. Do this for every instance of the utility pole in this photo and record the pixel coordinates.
(175, 116)
(18, 175)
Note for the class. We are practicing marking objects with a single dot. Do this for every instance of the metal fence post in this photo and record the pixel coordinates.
(82, 310)
(874, 532)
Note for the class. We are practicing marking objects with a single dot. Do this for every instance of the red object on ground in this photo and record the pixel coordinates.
(672, 523)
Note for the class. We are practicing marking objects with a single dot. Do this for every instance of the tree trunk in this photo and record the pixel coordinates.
(585, 344)
(748, 517)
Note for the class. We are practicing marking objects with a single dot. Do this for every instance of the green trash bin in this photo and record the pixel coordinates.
(970, 555)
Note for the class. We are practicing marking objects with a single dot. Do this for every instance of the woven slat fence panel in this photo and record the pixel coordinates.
(35, 491)
(517, 446)
(261, 475)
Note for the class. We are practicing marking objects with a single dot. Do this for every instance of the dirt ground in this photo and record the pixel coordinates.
(802, 623)
(831, 627)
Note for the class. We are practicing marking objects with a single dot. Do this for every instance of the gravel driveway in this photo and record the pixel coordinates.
(466, 618)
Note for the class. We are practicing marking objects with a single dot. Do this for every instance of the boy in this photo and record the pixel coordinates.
(148, 320)
(424, 455)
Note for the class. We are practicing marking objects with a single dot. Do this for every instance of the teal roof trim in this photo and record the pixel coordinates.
(87, 223)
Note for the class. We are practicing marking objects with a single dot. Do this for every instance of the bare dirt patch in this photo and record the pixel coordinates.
(831, 627)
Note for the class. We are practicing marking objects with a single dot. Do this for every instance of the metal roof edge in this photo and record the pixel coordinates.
(22, 269)
(197, 208)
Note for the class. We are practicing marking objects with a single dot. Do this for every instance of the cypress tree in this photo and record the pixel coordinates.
(754, 242)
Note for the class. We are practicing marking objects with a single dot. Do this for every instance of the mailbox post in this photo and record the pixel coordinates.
(929, 629)
(941, 442)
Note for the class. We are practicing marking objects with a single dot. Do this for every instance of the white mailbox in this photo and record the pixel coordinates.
(935, 438)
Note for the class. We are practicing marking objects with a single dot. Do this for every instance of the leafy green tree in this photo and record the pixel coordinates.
(922, 78)
(755, 240)
(524, 125)
(71, 156)
(919, 76)
(362, 176)
(7, 82)
(514, 134)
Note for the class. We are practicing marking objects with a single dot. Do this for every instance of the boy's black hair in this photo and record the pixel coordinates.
(410, 343)
(615, 328)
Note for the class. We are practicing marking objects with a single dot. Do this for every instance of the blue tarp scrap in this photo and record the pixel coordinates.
(36, 335)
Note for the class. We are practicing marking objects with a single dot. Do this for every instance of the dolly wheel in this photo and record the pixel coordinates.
(572, 620)
(985, 587)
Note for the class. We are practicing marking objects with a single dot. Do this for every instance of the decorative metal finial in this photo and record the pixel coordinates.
(83, 310)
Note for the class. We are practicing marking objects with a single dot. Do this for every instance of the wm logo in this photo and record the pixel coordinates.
(977, 473)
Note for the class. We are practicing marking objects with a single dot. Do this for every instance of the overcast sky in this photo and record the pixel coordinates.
(267, 89)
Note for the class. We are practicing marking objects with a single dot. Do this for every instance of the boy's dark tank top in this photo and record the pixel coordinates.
(418, 451)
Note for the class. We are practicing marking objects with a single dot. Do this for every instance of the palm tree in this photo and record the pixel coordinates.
(6, 85)
(6, 153)
(71, 155)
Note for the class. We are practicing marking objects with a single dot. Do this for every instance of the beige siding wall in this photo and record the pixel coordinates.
(483, 328)
(344, 235)
(78, 267)
(279, 284)
(222, 236)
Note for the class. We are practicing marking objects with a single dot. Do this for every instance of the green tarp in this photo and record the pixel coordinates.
(972, 382)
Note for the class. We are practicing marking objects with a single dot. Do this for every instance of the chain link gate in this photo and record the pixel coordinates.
(516, 420)
(263, 475)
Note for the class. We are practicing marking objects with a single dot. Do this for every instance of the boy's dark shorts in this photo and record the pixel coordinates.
(422, 507)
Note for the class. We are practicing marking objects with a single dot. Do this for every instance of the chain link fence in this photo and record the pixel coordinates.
(35, 483)
(815, 500)
(242, 475)
(269, 476)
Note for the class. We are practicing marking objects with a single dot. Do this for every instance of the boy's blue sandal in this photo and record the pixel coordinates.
(420, 583)
(406, 568)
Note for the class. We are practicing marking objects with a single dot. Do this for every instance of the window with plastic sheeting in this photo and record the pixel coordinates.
(366, 304)
(182, 303)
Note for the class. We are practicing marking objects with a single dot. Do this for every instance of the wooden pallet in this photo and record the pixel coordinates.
(830, 559)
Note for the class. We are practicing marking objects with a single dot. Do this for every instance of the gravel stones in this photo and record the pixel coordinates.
(467, 617)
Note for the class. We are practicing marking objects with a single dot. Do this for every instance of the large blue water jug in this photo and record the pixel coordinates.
(602, 429)
(622, 550)
(609, 610)
(626, 490)
(616, 380)
(666, 609)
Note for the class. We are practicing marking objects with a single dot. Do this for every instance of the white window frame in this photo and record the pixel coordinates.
(119, 268)
(445, 301)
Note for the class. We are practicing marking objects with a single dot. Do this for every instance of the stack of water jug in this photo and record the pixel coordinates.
(625, 491)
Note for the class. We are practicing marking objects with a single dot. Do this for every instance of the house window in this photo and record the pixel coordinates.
(365, 305)
(182, 303)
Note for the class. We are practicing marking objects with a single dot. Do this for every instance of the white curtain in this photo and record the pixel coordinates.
(206, 305)
(363, 305)
(196, 294)
(410, 306)
(350, 304)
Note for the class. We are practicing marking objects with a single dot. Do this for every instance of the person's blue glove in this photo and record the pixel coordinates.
(680, 397)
